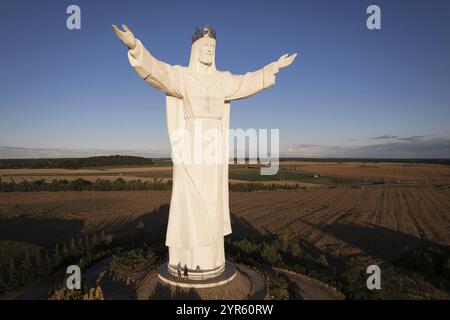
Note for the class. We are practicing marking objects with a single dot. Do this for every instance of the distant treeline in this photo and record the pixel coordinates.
(370, 160)
(119, 160)
(75, 163)
(121, 185)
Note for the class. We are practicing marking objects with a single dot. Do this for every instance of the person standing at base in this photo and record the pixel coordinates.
(179, 271)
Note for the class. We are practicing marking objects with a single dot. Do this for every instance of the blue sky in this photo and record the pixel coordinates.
(351, 90)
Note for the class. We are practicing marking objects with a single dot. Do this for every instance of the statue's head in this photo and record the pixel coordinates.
(203, 47)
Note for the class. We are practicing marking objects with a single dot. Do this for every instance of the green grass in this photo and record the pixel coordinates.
(298, 176)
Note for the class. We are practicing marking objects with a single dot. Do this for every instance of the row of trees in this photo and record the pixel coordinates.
(75, 163)
(288, 254)
(121, 185)
(251, 186)
(62, 293)
(130, 256)
(432, 262)
(84, 185)
(128, 262)
(24, 269)
(269, 251)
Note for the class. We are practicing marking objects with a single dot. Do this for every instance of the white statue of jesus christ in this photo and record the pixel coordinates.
(198, 96)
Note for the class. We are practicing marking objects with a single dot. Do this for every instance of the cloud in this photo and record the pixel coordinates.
(385, 136)
(388, 136)
(413, 138)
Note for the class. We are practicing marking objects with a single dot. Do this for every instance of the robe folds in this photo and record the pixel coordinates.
(199, 215)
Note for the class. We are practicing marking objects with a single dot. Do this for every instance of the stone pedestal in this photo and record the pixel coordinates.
(197, 279)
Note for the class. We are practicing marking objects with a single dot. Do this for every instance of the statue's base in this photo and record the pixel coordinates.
(195, 280)
(197, 275)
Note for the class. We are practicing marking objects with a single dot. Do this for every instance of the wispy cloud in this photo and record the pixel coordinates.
(388, 136)
(383, 137)
(413, 138)
(413, 148)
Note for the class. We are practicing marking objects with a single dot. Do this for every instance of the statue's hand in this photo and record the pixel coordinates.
(126, 36)
(286, 60)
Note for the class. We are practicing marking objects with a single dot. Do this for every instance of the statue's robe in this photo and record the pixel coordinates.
(199, 214)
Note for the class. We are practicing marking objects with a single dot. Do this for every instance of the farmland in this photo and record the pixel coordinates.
(378, 171)
(306, 173)
(343, 228)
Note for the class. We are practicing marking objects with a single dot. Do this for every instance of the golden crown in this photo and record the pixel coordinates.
(207, 32)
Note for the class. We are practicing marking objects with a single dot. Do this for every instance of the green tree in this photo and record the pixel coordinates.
(284, 243)
(140, 227)
(38, 265)
(26, 269)
(323, 260)
(12, 276)
(81, 246)
(108, 239)
(46, 263)
(294, 249)
(94, 241)
(278, 288)
(102, 236)
(87, 244)
(270, 254)
(3, 286)
(93, 294)
(73, 247)
(57, 256)
(65, 251)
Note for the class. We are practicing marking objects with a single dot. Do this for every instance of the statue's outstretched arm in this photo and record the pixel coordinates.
(243, 86)
(159, 74)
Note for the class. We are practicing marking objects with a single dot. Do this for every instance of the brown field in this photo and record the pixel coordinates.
(337, 219)
(127, 174)
(311, 214)
(345, 219)
(361, 226)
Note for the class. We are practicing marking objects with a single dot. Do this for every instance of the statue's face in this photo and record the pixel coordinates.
(207, 50)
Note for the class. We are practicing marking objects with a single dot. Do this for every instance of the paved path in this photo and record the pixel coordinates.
(311, 290)
(259, 285)
(306, 289)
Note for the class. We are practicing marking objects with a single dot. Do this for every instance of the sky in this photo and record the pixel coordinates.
(351, 91)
